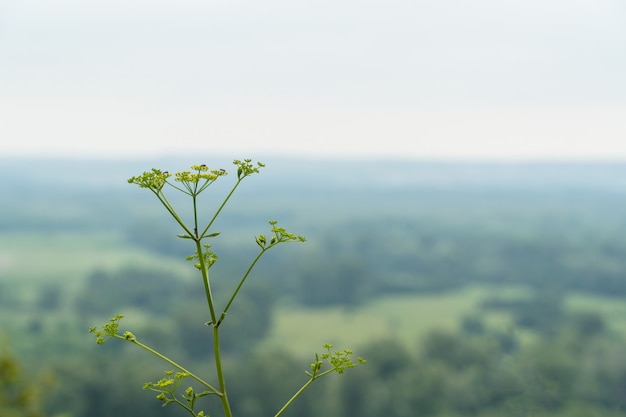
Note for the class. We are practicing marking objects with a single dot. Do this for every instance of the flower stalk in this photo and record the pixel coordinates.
(193, 183)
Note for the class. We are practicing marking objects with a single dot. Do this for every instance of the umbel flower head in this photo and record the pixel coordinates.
(202, 172)
(194, 181)
(154, 179)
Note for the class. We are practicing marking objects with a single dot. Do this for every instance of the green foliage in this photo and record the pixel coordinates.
(166, 388)
(425, 256)
(342, 282)
(128, 287)
(19, 394)
(193, 183)
(456, 374)
(94, 385)
(254, 390)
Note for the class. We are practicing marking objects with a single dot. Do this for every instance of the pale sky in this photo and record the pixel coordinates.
(481, 79)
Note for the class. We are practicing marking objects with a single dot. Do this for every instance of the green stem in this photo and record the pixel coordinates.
(195, 216)
(313, 376)
(220, 372)
(232, 298)
(171, 210)
(183, 405)
(293, 398)
(205, 280)
(221, 207)
(176, 365)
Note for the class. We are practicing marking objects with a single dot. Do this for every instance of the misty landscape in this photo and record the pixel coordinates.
(472, 289)
(446, 182)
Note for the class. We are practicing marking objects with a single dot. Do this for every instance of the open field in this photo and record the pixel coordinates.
(612, 309)
(31, 259)
(406, 318)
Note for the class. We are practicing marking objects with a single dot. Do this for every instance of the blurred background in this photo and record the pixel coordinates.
(458, 168)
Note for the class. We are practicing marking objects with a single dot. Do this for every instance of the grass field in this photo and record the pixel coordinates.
(612, 309)
(39, 258)
(405, 318)
(410, 318)
(43, 255)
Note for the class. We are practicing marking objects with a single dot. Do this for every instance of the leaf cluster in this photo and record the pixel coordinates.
(166, 388)
(339, 361)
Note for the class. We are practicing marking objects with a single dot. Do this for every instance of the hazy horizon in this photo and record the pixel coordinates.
(520, 80)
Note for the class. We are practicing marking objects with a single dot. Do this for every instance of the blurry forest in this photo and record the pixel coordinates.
(472, 289)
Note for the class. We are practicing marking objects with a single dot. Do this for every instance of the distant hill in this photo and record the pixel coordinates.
(333, 173)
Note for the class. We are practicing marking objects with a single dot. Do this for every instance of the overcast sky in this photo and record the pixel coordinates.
(370, 78)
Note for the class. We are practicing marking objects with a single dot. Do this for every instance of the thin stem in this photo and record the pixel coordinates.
(171, 362)
(173, 185)
(195, 215)
(232, 298)
(205, 280)
(293, 398)
(313, 376)
(221, 207)
(220, 372)
(171, 210)
(183, 405)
